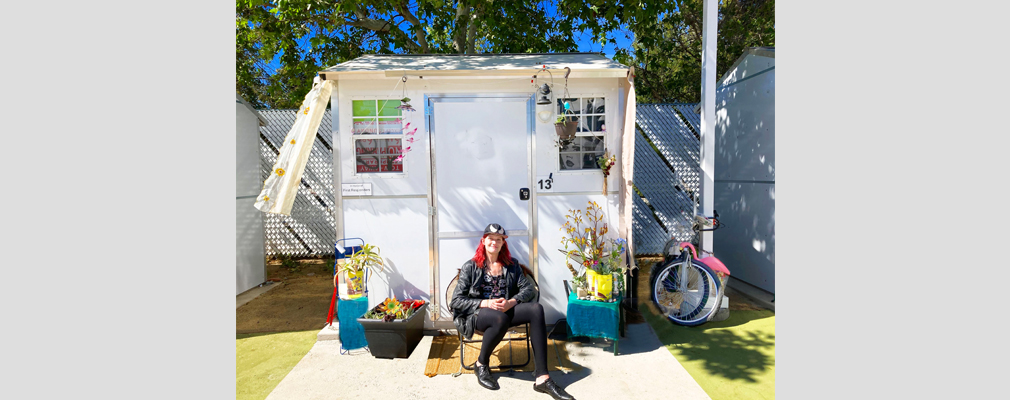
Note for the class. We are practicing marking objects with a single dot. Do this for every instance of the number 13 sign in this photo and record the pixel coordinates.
(545, 183)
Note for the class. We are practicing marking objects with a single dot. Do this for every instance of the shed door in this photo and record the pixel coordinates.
(482, 159)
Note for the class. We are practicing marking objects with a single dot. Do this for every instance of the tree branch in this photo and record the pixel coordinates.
(471, 32)
(419, 33)
(375, 25)
(459, 36)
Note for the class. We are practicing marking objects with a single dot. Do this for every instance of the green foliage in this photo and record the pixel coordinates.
(367, 257)
(288, 262)
(667, 50)
(586, 244)
(307, 36)
(391, 309)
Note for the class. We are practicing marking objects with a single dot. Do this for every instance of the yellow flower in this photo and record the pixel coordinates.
(306, 111)
(292, 141)
(266, 198)
(280, 171)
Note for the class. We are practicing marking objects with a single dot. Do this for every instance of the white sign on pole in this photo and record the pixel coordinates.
(355, 189)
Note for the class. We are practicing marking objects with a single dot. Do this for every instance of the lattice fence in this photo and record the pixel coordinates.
(310, 230)
(667, 174)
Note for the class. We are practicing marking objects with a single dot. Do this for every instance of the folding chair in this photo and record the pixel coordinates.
(510, 337)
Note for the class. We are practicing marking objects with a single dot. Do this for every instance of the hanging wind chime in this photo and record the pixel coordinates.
(408, 137)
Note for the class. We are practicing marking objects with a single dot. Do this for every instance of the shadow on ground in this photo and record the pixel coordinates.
(723, 352)
(740, 348)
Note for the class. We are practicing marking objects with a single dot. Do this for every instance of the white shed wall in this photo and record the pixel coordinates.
(551, 217)
(250, 263)
(396, 206)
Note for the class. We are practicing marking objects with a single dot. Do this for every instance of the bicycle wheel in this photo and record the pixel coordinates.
(687, 296)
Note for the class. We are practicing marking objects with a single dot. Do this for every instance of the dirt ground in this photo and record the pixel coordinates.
(302, 299)
(300, 302)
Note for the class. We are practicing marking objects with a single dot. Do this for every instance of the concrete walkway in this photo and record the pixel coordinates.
(643, 369)
(250, 294)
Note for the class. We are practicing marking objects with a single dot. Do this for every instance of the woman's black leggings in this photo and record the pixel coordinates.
(495, 325)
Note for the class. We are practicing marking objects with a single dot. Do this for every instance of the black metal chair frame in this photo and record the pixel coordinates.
(510, 337)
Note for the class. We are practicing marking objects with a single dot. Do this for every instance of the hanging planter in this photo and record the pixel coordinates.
(565, 127)
(567, 124)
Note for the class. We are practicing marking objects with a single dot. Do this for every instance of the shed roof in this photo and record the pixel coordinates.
(581, 64)
(757, 51)
(240, 100)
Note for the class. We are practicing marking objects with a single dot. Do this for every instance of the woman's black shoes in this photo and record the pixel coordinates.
(484, 377)
(552, 389)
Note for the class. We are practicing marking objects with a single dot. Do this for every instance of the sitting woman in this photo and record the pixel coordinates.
(492, 295)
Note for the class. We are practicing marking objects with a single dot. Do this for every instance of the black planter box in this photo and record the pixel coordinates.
(396, 338)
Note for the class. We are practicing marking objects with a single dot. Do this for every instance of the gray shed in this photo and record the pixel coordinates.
(745, 168)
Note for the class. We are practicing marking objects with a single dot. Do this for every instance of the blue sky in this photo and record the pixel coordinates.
(583, 39)
(586, 46)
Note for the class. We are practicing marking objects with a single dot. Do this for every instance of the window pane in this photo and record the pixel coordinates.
(390, 126)
(575, 145)
(597, 105)
(363, 126)
(573, 102)
(589, 160)
(387, 108)
(389, 146)
(367, 163)
(378, 155)
(389, 164)
(571, 161)
(366, 146)
(591, 143)
(363, 108)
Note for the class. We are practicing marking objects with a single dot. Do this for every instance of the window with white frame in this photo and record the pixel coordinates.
(377, 134)
(588, 145)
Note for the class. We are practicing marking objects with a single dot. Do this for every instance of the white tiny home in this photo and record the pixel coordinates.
(250, 263)
(483, 151)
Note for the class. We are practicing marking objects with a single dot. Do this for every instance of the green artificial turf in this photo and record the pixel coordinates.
(731, 360)
(263, 359)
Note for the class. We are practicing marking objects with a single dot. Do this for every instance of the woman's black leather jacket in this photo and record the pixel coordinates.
(467, 297)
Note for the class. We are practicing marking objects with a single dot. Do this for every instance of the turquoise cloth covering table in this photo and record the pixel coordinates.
(595, 318)
(352, 335)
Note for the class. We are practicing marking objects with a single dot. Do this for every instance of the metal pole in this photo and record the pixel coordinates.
(708, 40)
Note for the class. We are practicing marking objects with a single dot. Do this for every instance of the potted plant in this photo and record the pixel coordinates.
(353, 269)
(599, 258)
(394, 328)
(565, 127)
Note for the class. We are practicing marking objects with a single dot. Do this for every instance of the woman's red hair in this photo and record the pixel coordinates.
(504, 256)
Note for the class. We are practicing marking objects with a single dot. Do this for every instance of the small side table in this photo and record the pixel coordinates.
(595, 318)
(352, 335)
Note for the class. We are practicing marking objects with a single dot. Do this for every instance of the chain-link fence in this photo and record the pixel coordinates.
(310, 229)
(667, 174)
